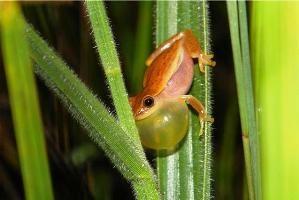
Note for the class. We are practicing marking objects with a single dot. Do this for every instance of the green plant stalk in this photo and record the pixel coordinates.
(167, 166)
(203, 148)
(195, 153)
(234, 28)
(125, 153)
(185, 174)
(274, 42)
(240, 44)
(107, 52)
(24, 104)
(185, 159)
(250, 141)
(142, 46)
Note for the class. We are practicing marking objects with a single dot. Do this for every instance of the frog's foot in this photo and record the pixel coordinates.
(204, 60)
(206, 118)
(197, 105)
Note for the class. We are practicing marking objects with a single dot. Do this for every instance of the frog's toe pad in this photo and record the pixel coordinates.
(207, 118)
(207, 60)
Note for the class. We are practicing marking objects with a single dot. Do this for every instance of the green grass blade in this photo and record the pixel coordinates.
(275, 50)
(240, 44)
(107, 52)
(142, 46)
(185, 174)
(125, 153)
(202, 149)
(167, 166)
(185, 160)
(24, 104)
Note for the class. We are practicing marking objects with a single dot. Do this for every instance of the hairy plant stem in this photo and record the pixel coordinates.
(185, 173)
(125, 153)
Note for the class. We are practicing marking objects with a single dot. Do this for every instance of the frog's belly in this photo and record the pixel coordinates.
(180, 82)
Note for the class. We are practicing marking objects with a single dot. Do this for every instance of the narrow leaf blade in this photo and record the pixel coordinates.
(24, 104)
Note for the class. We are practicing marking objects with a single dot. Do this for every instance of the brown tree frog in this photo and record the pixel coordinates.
(160, 109)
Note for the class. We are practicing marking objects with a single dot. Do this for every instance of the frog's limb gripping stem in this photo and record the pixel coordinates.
(204, 59)
(192, 46)
(197, 105)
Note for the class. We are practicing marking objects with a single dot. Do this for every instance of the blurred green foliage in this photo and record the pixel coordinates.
(275, 49)
(24, 104)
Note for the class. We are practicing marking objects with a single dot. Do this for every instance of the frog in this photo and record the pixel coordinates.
(160, 109)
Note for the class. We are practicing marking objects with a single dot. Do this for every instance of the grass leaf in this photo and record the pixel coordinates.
(107, 52)
(275, 49)
(167, 166)
(125, 153)
(28, 125)
(185, 174)
(239, 38)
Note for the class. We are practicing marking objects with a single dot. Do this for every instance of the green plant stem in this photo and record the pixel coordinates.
(125, 153)
(167, 166)
(107, 52)
(142, 46)
(204, 92)
(24, 104)
(185, 174)
(240, 44)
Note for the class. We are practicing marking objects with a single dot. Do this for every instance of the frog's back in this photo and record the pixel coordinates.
(162, 69)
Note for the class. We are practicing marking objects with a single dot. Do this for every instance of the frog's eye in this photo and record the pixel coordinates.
(148, 101)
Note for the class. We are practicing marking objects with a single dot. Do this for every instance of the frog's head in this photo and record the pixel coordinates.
(161, 124)
(143, 105)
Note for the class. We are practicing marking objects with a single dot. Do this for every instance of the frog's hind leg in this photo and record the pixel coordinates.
(192, 46)
(165, 45)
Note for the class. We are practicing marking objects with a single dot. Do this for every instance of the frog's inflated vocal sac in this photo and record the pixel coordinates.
(160, 109)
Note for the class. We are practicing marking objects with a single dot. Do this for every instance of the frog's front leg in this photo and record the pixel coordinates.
(197, 105)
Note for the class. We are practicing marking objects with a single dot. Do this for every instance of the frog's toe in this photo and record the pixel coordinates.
(202, 67)
(210, 56)
(206, 118)
(207, 60)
